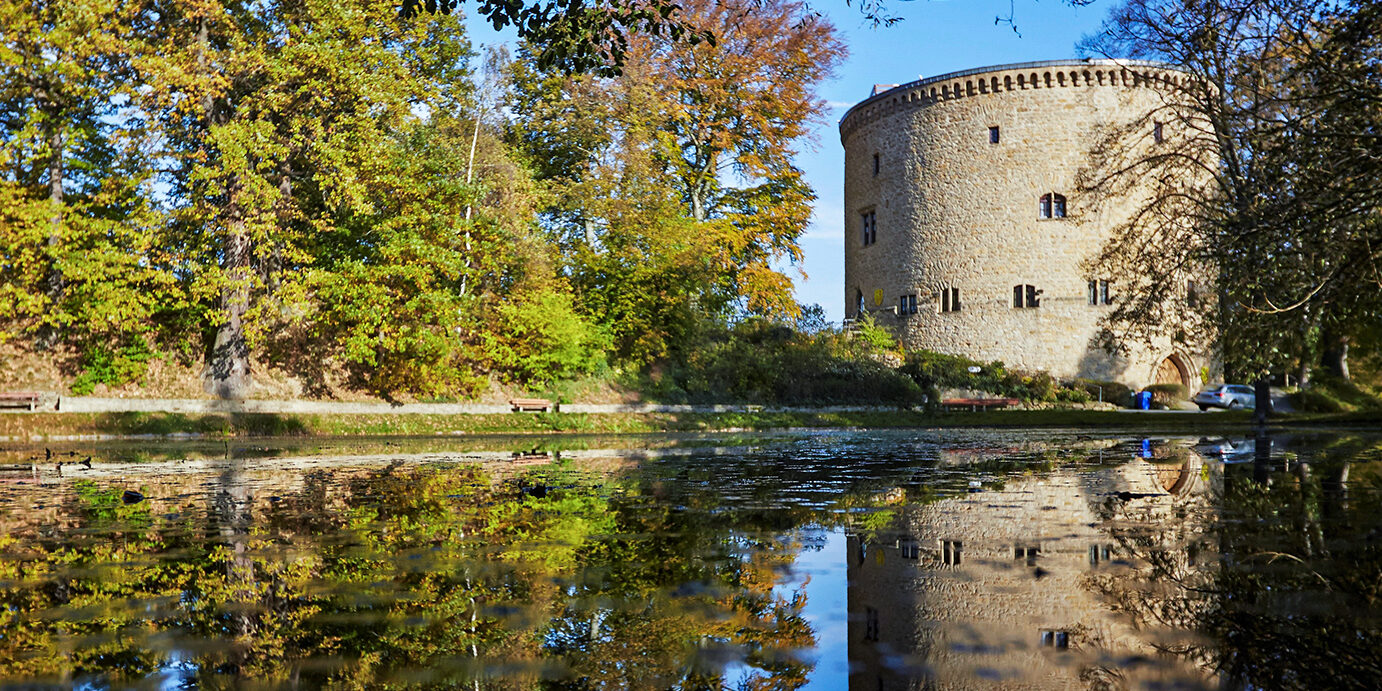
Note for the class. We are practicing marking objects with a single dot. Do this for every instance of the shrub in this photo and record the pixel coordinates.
(544, 339)
(873, 336)
(1315, 401)
(103, 363)
(1168, 394)
(1330, 394)
(1072, 394)
(1109, 391)
(762, 361)
(933, 371)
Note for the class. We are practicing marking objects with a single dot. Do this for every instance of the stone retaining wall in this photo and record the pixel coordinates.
(91, 404)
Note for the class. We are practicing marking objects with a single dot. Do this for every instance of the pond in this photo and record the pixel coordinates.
(825, 560)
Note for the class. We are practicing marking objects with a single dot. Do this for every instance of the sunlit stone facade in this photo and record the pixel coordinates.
(964, 230)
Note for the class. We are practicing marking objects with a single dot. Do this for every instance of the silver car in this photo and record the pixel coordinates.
(1230, 396)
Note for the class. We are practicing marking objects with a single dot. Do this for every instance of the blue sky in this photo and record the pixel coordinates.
(934, 37)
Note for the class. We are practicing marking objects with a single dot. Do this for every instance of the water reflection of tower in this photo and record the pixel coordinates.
(994, 588)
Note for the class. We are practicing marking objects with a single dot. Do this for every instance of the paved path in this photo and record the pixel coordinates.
(194, 406)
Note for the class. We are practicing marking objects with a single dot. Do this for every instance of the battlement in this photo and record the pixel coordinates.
(1021, 76)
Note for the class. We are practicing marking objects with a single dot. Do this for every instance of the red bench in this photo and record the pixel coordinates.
(19, 399)
(975, 404)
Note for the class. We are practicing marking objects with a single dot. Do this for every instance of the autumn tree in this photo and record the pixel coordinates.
(675, 192)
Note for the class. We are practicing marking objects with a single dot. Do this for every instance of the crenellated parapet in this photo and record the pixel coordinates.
(1022, 76)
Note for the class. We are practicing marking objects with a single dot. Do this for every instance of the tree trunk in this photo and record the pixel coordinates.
(227, 374)
(53, 283)
(698, 203)
(1262, 389)
(1336, 357)
(232, 504)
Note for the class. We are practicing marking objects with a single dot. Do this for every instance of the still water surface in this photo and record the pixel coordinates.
(900, 560)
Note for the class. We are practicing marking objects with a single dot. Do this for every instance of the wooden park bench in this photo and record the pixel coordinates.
(530, 404)
(19, 399)
(975, 404)
(531, 458)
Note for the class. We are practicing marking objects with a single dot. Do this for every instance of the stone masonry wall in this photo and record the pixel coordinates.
(956, 211)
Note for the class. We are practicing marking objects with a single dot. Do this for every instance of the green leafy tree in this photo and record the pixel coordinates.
(278, 117)
(78, 237)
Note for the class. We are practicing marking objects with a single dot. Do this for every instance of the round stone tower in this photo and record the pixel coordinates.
(964, 230)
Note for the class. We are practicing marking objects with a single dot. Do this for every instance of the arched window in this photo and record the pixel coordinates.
(858, 302)
(1025, 296)
(1052, 205)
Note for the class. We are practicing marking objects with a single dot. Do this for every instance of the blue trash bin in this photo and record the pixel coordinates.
(1142, 400)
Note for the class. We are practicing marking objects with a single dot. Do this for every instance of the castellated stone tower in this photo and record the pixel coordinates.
(964, 231)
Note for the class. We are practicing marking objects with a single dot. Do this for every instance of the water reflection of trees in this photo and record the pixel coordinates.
(1286, 590)
(397, 577)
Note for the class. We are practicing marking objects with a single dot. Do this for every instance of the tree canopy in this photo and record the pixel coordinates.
(1264, 225)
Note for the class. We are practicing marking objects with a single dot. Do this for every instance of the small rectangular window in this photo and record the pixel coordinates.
(950, 552)
(875, 164)
(1026, 296)
(868, 221)
(1058, 206)
(870, 624)
(993, 134)
(950, 299)
(907, 304)
(1060, 640)
(1192, 294)
(1098, 293)
(1099, 554)
(1026, 552)
(909, 548)
(1157, 134)
(1045, 206)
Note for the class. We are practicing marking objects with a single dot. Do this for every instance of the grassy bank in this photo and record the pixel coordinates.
(54, 425)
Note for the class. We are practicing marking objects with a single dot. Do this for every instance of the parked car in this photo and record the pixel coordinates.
(1229, 450)
(1230, 396)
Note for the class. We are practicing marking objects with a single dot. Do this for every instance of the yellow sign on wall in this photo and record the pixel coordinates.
(877, 296)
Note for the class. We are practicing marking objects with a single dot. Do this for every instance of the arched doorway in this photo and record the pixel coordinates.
(1172, 370)
(1178, 478)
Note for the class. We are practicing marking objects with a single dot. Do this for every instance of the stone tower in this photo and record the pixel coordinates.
(964, 231)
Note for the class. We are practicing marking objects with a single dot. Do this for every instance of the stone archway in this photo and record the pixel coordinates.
(1178, 478)
(1172, 370)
